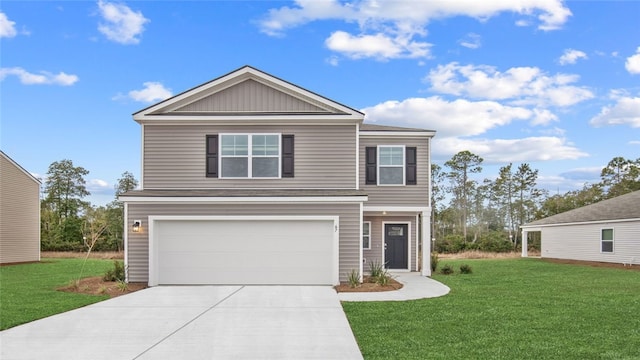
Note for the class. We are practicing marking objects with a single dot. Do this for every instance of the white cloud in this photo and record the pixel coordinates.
(571, 56)
(7, 27)
(42, 78)
(456, 118)
(397, 23)
(99, 186)
(500, 151)
(380, 46)
(626, 111)
(634, 142)
(519, 85)
(633, 63)
(471, 41)
(121, 24)
(152, 91)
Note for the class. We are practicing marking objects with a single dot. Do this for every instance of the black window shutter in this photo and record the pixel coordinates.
(287, 155)
(411, 166)
(212, 156)
(370, 166)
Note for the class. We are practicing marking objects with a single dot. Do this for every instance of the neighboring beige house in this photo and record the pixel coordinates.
(19, 213)
(249, 179)
(607, 231)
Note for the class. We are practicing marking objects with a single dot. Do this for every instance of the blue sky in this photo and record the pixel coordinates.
(554, 84)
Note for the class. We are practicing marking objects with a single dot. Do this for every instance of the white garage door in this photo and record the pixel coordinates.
(244, 252)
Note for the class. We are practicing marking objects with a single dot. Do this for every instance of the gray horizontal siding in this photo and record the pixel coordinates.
(138, 243)
(377, 240)
(174, 157)
(19, 215)
(582, 242)
(409, 195)
(250, 96)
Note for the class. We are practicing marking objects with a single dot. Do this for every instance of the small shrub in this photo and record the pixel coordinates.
(122, 286)
(446, 269)
(354, 278)
(102, 289)
(465, 269)
(384, 278)
(116, 273)
(376, 269)
(434, 261)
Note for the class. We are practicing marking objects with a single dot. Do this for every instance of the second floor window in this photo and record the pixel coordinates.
(250, 155)
(391, 165)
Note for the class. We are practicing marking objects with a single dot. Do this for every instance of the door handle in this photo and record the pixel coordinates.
(385, 246)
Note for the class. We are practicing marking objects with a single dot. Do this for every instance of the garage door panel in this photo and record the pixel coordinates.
(245, 251)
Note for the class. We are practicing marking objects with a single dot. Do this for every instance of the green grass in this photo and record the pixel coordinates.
(28, 292)
(509, 309)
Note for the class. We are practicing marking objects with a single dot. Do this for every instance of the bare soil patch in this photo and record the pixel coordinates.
(97, 286)
(593, 264)
(475, 254)
(369, 286)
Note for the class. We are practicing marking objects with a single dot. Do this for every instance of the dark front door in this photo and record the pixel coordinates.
(396, 246)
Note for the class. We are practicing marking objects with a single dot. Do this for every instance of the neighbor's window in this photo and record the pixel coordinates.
(606, 237)
(250, 155)
(366, 235)
(391, 165)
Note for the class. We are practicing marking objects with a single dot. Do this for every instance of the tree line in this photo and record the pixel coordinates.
(487, 215)
(69, 223)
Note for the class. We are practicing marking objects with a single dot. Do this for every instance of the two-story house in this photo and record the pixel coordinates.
(249, 179)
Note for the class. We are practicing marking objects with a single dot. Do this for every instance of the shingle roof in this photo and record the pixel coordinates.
(245, 193)
(375, 127)
(621, 207)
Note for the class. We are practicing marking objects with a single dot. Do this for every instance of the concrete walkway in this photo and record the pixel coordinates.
(193, 322)
(415, 286)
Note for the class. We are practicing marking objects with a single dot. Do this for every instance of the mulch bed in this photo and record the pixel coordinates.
(97, 286)
(369, 286)
(593, 263)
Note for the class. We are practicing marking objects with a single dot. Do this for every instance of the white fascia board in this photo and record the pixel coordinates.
(397, 208)
(397, 134)
(537, 227)
(182, 119)
(235, 199)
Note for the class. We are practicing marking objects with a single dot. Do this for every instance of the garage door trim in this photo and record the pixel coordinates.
(153, 246)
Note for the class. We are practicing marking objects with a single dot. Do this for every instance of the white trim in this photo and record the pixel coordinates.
(417, 247)
(403, 166)
(426, 243)
(390, 209)
(384, 236)
(357, 157)
(153, 266)
(248, 200)
(184, 119)
(142, 157)
(387, 134)
(125, 236)
(361, 253)
(538, 227)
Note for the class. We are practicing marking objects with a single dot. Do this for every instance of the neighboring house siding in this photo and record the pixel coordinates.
(408, 195)
(251, 96)
(138, 244)
(174, 157)
(19, 215)
(377, 241)
(582, 242)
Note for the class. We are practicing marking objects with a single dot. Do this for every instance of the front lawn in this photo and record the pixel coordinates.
(28, 292)
(509, 309)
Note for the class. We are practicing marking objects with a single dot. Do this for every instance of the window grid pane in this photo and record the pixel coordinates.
(607, 234)
(250, 156)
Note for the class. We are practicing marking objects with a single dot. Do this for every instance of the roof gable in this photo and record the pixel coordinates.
(19, 167)
(618, 208)
(248, 93)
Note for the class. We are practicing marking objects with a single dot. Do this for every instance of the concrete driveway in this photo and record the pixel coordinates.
(193, 322)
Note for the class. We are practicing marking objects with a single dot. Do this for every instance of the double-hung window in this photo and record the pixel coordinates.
(249, 155)
(391, 164)
(606, 240)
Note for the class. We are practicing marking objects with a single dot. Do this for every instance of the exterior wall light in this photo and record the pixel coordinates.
(136, 225)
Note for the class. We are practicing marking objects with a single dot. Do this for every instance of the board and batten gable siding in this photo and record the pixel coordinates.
(582, 242)
(252, 96)
(174, 157)
(377, 240)
(408, 195)
(138, 243)
(19, 214)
